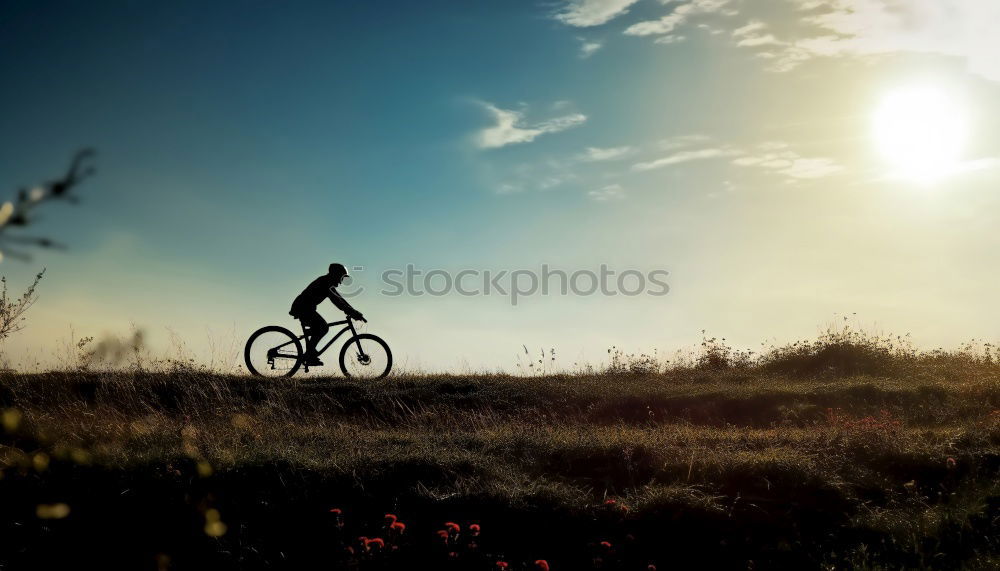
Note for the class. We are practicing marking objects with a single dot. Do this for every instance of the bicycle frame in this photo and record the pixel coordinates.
(349, 327)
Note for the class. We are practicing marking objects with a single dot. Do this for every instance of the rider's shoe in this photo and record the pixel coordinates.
(312, 361)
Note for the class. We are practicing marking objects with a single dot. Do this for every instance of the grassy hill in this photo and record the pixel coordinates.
(832, 454)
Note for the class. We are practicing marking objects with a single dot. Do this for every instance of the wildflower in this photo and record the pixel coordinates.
(338, 517)
(52, 511)
(542, 565)
(951, 463)
(452, 527)
(443, 535)
(40, 461)
(390, 519)
(474, 529)
(606, 544)
(213, 524)
(502, 565)
(398, 527)
(377, 542)
(610, 502)
(11, 419)
(650, 567)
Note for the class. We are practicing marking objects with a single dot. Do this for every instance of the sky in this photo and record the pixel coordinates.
(788, 163)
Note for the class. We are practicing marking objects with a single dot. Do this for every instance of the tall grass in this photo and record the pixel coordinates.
(854, 450)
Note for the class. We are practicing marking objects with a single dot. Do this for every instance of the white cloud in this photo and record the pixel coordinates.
(811, 168)
(681, 141)
(510, 128)
(510, 188)
(683, 157)
(752, 36)
(587, 13)
(589, 48)
(670, 39)
(750, 29)
(610, 192)
(553, 181)
(777, 157)
(667, 24)
(771, 156)
(755, 41)
(605, 154)
(664, 25)
(965, 28)
(962, 28)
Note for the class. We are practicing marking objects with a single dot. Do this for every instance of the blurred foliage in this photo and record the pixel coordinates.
(20, 213)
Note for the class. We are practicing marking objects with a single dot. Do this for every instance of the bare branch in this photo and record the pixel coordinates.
(12, 310)
(17, 213)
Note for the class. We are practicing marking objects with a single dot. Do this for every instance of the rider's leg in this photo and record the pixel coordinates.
(317, 329)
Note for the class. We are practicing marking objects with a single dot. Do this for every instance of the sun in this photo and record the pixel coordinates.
(921, 132)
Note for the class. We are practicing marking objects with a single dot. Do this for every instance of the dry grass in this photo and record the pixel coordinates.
(808, 457)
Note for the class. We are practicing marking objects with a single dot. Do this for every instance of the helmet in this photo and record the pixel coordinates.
(338, 269)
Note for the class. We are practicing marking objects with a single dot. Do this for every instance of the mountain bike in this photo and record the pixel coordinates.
(274, 351)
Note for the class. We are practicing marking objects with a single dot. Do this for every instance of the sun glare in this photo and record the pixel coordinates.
(921, 132)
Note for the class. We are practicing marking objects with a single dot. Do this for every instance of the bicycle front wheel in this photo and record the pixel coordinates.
(365, 356)
(273, 352)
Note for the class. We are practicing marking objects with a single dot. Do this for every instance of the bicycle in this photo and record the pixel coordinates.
(274, 351)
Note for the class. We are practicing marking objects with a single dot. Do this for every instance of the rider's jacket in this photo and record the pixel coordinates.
(323, 287)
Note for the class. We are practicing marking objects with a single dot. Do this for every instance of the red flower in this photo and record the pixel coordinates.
(650, 567)
(474, 529)
(610, 502)
(542, 565)
(452, 527)
(398, 526)
(606, 544)
(377, 542)
(336, 511)
(390, 519)
(502, 565)
(443, 534)
(951, 463)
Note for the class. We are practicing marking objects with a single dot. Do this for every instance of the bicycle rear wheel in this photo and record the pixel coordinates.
(273, 352)
(365, 356)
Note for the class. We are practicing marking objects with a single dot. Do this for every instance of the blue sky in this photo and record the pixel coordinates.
(244, 146)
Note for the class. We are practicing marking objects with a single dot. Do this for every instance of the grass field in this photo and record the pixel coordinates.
(834, 454)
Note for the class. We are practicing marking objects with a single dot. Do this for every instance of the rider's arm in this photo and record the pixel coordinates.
(342, 304)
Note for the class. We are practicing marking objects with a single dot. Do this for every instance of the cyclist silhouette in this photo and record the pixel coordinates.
(304, 308)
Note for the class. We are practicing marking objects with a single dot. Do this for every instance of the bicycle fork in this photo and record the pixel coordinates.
(362, 357)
